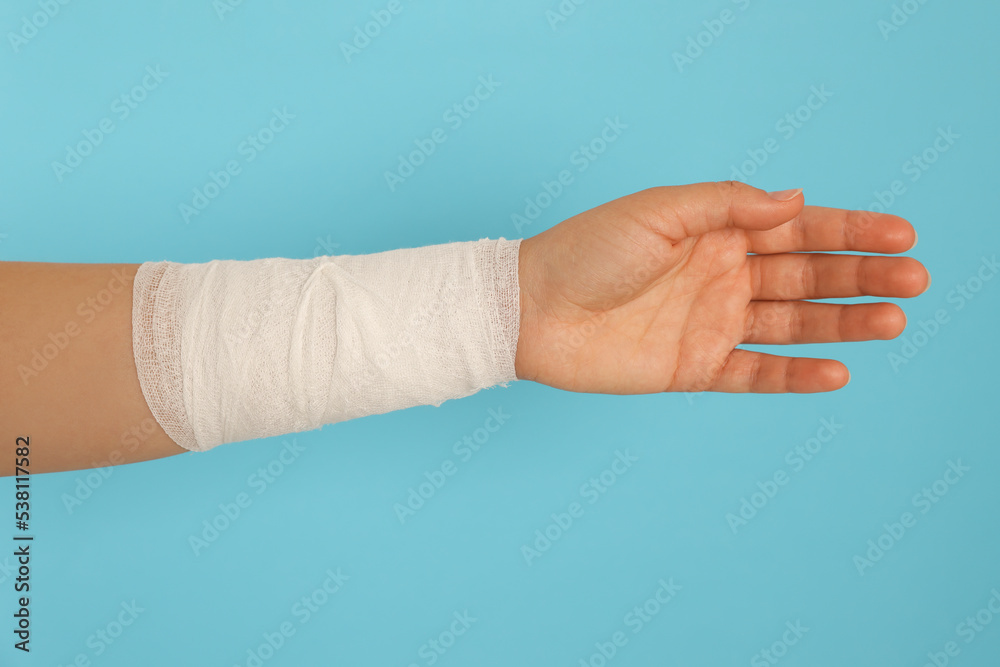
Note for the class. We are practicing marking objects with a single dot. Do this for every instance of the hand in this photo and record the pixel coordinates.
(654, 291)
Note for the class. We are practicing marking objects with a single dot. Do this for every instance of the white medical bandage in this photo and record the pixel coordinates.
(235, 350)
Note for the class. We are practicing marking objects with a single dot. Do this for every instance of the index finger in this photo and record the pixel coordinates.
(821, 229)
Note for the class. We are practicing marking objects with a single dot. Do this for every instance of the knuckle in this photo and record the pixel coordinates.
(753, 372)
(810, 276)
(750, 325)
(730, 189)
(796, 323)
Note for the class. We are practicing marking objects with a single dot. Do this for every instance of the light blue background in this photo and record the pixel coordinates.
(321, 182)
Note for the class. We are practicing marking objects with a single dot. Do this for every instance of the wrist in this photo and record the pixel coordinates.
(528, 316)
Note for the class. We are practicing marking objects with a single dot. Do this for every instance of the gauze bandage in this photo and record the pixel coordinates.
(235, 350)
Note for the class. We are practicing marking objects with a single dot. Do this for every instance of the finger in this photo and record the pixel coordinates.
(797, 322)
(683, 211)
(746, 371)
(831, 229)
(794, 276)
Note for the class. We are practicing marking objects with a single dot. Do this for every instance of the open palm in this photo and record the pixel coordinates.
(654, 291)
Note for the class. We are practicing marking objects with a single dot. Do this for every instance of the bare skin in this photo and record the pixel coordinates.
(84, 408)
(653, 292)
(649, 293)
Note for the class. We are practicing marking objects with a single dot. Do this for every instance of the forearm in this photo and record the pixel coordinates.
(68, 374)
(109, 364)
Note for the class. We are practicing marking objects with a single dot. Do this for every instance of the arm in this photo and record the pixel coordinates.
(652, 292)
(68, 376)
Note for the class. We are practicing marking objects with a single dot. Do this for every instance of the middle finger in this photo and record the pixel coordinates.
(794, 276)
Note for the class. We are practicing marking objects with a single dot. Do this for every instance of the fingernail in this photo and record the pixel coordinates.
(928, 283)
(916, 237)
(785, 195)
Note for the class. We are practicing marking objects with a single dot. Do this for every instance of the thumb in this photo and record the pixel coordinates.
(691, 210)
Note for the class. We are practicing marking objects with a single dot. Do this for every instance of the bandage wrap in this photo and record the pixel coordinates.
(235, 350)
